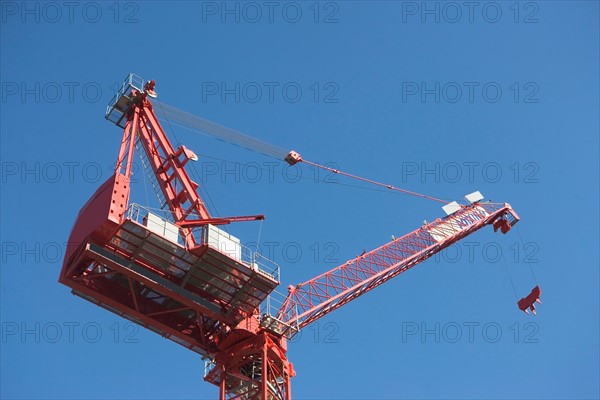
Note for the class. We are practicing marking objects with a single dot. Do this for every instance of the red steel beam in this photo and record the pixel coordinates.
(317, 297)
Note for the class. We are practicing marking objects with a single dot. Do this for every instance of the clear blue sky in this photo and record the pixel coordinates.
(440, 98)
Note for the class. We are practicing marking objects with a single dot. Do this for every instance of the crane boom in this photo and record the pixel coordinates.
(327, 292)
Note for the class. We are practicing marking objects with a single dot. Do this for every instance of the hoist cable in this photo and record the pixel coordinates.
(512, 283)
(529, 264)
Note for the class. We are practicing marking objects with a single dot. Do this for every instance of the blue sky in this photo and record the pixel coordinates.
(439, 98)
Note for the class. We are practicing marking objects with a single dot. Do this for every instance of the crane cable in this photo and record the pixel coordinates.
(529, 264)
(512, 283)
(337, 171)
(522, 246)
(184, 119)
(198, 124)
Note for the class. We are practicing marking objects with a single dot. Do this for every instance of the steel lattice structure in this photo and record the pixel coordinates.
(174, 278)
(313, 299)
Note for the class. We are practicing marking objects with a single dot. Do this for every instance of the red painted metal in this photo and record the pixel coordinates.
(293, 158)
(502, 224)
(253, 365)
(203, 298)
(192, 293)
(317, 297)
(529, 301)
(220, 221)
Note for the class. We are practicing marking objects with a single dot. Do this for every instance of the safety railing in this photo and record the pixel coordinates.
(209, 365)
(269, 310)
(119, 104)
(139, 213)
(248, 257)
(263, 264)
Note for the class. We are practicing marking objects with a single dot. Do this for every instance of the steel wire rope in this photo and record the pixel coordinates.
(195, 123)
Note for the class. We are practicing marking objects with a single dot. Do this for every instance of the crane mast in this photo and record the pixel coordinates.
(180, 282)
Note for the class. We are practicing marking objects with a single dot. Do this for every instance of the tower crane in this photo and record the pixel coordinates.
(188, 280)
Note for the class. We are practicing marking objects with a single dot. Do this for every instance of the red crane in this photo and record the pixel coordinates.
(191, 282)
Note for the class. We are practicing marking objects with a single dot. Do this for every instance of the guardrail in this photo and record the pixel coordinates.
(115, 110)
(248, 257)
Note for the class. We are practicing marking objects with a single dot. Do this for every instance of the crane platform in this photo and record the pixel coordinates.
(116, 111)
(147, 276)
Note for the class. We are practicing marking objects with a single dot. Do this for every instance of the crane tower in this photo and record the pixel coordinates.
(186, 279)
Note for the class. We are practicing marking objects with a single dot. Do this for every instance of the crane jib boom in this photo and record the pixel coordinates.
(317, 297)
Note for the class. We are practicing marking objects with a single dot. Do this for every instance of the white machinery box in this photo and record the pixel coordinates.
(161, 227)
(222, 241)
